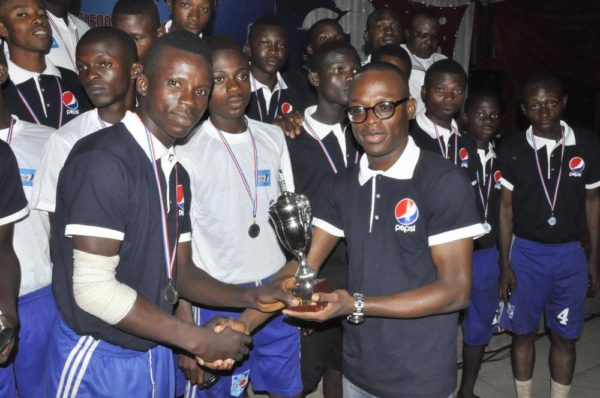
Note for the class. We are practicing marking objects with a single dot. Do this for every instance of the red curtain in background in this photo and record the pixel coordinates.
(557, 36)
(450, 18)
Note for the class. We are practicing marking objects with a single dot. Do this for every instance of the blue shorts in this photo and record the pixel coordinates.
(82, 366)
(37, 316)
(551, 278)
(478, 317)
(273, 363)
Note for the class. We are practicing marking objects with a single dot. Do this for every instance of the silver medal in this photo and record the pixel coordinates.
(552, 221)
(487, 227)
(171, 295)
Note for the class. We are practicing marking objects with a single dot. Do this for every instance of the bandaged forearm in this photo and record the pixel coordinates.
(97, 290)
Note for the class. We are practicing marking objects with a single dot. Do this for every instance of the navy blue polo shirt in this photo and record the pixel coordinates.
(390, 219)
(107, 189)
(580, 171)
(63, 97)
(488, 187)
(13, 205)
(287, 96)
(461, 150)
(313, 172)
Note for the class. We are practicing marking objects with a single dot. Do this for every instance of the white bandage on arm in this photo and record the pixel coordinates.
(97, 290)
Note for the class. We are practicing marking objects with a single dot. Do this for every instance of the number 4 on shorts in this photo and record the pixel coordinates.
(563, 316)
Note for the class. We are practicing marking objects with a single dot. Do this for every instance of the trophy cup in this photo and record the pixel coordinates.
(292, 219)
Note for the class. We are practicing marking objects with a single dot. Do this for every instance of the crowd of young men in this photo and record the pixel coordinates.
(138, 164)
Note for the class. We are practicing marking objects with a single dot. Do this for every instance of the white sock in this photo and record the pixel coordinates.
(558, 390)
(524, 388)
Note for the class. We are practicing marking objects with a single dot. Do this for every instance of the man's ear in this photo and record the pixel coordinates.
(3, 32)
(313, 78)
(464, 118)
(411, 108)
(423, 94)
(247, 50)
(3, 74)
(141, 84)
(522, 106)
(564, 100)
(367, 37)
(136, 70)
(309, 50)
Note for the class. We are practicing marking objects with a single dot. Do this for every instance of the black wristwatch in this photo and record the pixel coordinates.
(358, 316)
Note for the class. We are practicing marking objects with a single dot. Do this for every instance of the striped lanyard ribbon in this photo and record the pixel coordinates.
(169, 255)
(254, 87)
(253, 198)
(11, 127)
(314, 135)
(485, 201)
(551, 202)
(445, 152)
(30, 109)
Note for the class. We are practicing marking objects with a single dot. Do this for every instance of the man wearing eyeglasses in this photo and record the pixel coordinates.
(408, 217)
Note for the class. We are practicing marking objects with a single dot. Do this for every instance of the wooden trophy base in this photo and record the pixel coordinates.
(321, 286)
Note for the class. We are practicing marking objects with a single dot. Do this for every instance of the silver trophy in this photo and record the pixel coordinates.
(292, 219)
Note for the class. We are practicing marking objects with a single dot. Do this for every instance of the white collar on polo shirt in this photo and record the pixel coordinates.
(321, 129)
(138, 130)
(549, 143)
(168, 25)
(19, 75)
(280, 85)
(402, 169)
(428, 126)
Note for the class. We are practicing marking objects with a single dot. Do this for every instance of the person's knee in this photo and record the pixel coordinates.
(523, 339)
(561, 342)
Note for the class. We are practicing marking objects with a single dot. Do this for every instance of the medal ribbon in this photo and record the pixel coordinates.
(254, 85)
(101, 122)
(169, 256)
(439, 140)
(314, 135)
(551, 202)
(241, 173)
(57, 30)
(30, 109)
(10, 131)
(485, 201)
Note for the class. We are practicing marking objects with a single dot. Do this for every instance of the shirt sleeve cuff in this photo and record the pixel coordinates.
(185, 237)
(472, 231)
(15, 216)
(325, 226)
(506, 184)
(592, 186)
(96, 232)
(45, 206)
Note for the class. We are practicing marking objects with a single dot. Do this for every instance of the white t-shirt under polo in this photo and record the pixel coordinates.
(221, 210)
(32, 233)
(64, 40)
(55, 154)
(417, 74)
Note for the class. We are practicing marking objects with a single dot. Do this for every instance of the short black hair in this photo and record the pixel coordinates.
(392, 50)
(539, 79)
(180, 40)
(478, 95)
(383, 67)
(137, 7)
(222, 43)
(427, 14)
(315, 62)
(312, 31)
(444, 66)
(113, 35)
(268, 20)
(378, 12)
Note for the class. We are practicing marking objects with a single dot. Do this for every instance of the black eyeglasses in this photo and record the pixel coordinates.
(383, 110)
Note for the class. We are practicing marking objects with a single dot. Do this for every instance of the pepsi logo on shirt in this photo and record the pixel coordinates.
(406, 213)
(576, 164)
